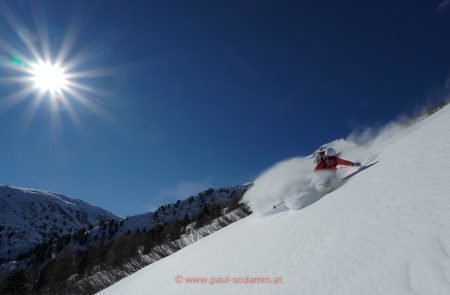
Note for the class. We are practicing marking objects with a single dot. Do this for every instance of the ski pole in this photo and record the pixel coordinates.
(275, 206)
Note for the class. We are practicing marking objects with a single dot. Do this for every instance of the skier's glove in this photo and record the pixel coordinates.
(356, 164)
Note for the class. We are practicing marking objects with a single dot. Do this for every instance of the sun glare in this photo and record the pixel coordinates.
(49, 77)
(62, 78)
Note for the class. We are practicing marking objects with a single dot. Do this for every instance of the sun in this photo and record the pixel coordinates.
(48, 77)
(66, 79)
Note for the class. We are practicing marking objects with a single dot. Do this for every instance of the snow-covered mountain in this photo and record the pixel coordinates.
(386, 230)
(29, 217)
(181, 208)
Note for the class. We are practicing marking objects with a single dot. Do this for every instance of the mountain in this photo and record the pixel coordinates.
(178, 210)
(386, 230)
(29, 217)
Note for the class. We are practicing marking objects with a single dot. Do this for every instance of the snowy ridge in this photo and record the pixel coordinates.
(178, 210)
(385, 231)
(29, 217)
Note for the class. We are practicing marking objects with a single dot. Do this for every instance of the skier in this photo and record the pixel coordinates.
(327, 161)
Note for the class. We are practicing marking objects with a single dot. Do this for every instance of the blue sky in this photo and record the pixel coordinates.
(202, 94)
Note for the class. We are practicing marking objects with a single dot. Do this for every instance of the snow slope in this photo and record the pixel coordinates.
(386, 231)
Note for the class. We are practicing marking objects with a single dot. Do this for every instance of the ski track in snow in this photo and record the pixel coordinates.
(386, 231)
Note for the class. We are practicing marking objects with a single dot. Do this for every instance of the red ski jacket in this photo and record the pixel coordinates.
(331, 163)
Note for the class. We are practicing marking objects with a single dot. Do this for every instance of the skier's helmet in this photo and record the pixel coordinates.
(330, 152)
